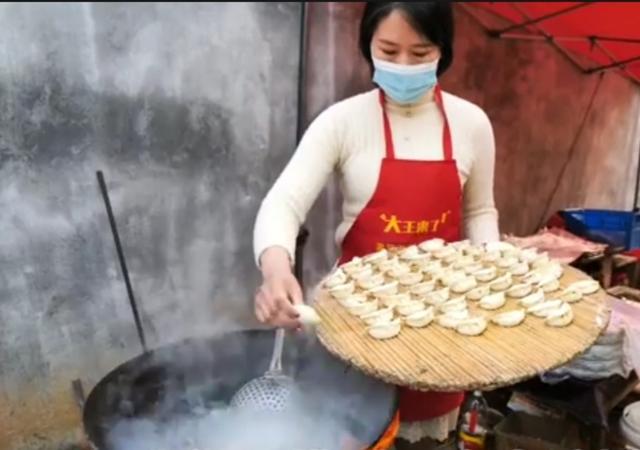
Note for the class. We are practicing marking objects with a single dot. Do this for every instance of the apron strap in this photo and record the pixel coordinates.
(388, 137)
(447, 144)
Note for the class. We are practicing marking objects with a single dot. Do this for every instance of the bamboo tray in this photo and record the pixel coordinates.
(439, 359)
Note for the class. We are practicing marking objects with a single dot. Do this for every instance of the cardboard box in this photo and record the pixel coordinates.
(526, 432)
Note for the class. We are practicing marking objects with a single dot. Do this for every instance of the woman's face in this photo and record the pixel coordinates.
(396, 41)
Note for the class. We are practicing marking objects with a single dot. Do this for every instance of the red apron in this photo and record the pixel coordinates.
(413, 201)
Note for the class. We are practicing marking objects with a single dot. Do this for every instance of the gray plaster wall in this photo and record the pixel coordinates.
(190, 111)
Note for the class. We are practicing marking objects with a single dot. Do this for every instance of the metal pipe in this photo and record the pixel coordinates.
(612, 58)
(614, 65)
(616, 39)
(303, 233)
(302, 69)
(542, 18)
(543, 37)
(636, 194)
(563, 51)
(123, 264)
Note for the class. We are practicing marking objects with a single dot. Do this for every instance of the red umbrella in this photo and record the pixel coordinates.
(594, 36)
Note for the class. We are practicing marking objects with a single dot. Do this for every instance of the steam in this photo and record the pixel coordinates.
(330, 404)
(229, 429)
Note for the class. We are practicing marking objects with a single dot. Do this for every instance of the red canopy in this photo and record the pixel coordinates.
(595, 36)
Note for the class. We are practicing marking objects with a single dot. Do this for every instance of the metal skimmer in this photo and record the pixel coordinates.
(270, 392)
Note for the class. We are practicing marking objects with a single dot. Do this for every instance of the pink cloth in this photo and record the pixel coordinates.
(625, 317)
(558, 243)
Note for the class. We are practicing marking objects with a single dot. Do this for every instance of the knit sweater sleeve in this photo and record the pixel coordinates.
(480, 213)
(287, 203)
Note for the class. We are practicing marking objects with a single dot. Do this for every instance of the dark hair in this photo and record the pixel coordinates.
(434, 20)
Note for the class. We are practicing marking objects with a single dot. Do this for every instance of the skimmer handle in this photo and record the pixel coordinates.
(276, 358)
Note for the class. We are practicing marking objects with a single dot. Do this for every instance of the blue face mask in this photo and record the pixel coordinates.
(405, 84)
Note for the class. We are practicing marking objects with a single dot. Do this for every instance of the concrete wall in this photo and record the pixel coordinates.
(536, 101)
(334, 70)
(190, 111)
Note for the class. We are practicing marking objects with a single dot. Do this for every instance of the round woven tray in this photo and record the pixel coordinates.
(439, 359)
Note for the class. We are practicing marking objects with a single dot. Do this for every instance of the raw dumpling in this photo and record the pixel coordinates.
(519, 269)
(335, 279)
(410, 307)
(552, 269)
(362, 309)
(473, 326)
(491, 257)
(509, 318)
(398, 270)
(513, 253)
(409, 252)
(385, 330)
(423, 288)
(561, 317)
(451, 277)
(385, 289)
(498, 246)
(519, 290)
(410, 278)
(381, 315)
(371, 281)
(541, 260)
(570, 295)
(463, 262)
(445, 252)
(461, 245)
(418, 260)
(365, 272)
(543, 309)
(452, 318)
(394, 299)
(352, 266)
(532, 299)
(473, 268)
(342, 290)
(308, 315)
(549, 284)
(375, 258)
(352, 300)
(506, 263)
(449, 260)
(453, 305)
(502, 283)
(533, 277)
(474, 251)
(420, 319)
(486, 275)
(493, 301)
(388, 264)
(437, 297)
(431, 266)
(479, 292)
(587, 287)
(431, 245)
(464, 285)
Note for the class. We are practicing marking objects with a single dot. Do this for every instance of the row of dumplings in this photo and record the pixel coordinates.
(415, 287)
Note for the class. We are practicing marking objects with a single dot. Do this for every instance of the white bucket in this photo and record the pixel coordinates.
(630, 425)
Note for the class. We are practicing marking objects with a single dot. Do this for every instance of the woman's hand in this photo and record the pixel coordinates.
(279, 291)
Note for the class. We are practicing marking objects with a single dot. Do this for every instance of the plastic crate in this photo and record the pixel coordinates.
(615, 228)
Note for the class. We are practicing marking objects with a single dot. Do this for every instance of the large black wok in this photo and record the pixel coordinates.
(185, 381)
(175, 397)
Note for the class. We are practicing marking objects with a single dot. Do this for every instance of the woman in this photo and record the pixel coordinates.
(413, 163)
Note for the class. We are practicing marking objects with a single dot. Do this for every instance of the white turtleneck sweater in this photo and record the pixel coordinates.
(348, 138)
